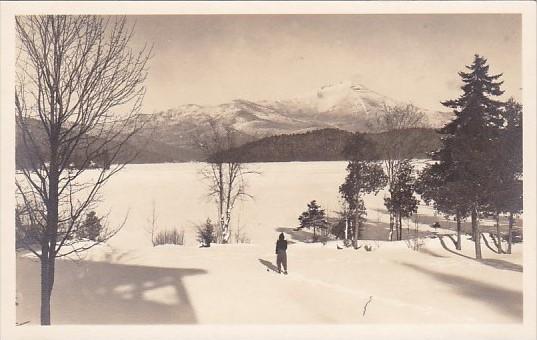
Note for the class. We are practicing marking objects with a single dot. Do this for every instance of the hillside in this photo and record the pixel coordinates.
(328, 145)
(345, 105)
(315, 126)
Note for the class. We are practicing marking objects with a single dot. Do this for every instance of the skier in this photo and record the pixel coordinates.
(281, 251)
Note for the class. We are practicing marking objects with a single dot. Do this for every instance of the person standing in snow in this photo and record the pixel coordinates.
(281, 252)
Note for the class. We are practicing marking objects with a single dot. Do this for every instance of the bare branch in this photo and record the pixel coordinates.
(78, 96)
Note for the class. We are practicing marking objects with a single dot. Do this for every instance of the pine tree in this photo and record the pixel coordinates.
(436, 186)
(470, 138)
(401, 203)
(206, 234)
(513, 140)
(364, 176)
(506, 180)
(314, 217)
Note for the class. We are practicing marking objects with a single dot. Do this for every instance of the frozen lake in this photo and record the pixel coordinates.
(280, 193)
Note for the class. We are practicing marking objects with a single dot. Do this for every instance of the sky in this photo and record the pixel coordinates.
(213, 59)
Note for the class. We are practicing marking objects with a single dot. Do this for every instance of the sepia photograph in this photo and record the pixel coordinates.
(278, 167)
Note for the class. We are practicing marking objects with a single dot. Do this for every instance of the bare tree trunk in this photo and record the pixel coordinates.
(346, 228)
(357, 225)
(391, 227)
(355, 234)
(400, 227)
(510, 236)
(477, 233)
(220, 202)
(458, 217)
(473, 232)
(45, 287)
(498, 234)
(361, 228)
(49, 242)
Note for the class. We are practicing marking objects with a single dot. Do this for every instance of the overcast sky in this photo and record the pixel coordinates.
(212, 59)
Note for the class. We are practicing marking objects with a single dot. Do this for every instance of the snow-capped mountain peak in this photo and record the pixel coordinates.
(345, 105)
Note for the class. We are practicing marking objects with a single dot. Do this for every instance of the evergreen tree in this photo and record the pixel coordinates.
(401, 203)
(513, 140)
(363, 177)
(506, 179)
(314, 217)
(206, 234)
(436, 186)
(470, 138)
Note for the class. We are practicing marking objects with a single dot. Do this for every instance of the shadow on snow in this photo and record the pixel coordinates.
(88, 292)
(505, 300)
(496, 263)
(269, 265)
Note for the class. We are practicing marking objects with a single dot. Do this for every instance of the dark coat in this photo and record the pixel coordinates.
(281, 245)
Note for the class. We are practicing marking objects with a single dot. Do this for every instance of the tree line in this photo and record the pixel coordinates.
(329, 145)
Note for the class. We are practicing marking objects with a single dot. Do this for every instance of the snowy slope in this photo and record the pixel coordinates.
(231, 284)
(130, 282)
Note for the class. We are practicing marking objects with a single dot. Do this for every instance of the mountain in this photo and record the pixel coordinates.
(345, 105)
(174, 135)
(328, 145)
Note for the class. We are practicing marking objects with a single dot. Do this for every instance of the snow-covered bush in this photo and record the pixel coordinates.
(206, 234)
(172, 236)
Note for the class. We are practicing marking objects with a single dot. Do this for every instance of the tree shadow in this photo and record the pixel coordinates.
(502, 264)
(373, 230)
(487, 244)
(452, 239)
(269, 265)
(381, 231)
(451, 224)
(444, 245)
(87, 292)
(496, 263)
(430, 252)
(296, 235)
(505, 300)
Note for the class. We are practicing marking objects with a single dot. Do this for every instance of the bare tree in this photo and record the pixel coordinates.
(397, 120)
(78, 95)
(224, 172)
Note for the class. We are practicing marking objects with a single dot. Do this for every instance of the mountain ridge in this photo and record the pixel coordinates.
(346, 105)
(174, 135)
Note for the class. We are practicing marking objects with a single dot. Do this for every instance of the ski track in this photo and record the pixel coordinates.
(301, 279)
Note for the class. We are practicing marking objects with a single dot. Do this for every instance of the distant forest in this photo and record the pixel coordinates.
(317, 145)
(328, 145)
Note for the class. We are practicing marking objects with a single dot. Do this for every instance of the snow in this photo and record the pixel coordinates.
(127, 281)
(346, 104)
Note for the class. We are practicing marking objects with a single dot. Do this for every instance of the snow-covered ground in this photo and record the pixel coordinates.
(127, 281)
